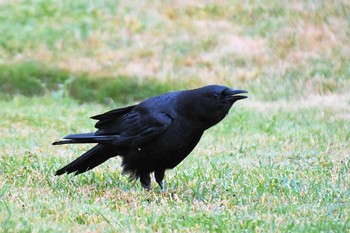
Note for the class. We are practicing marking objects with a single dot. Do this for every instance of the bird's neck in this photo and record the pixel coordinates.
(189, 109)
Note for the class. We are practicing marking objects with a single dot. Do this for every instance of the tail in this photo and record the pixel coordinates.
(85, 138)
(90, 159)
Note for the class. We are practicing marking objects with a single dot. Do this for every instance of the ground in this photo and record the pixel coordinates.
(278, 162)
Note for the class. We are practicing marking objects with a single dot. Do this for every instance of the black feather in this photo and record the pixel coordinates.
(86, 138)
(90, 159)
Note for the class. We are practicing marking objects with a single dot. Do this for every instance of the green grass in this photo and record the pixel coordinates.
(286, 171)
(33, 79)
(280, 161)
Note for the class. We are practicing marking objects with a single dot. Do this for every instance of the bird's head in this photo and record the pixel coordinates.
(210, 104)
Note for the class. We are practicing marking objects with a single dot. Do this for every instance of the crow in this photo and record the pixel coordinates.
(154, 135)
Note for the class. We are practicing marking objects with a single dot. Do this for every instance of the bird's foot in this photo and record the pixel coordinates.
(162, 185)
(146, 181)
(147, 187)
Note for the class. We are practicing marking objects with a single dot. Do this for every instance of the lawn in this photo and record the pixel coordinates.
(280, 161)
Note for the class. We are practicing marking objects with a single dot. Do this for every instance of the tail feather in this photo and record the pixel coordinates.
(68, 142)
(85, 138)
(90, 159)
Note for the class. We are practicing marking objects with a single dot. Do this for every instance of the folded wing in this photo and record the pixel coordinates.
(126, 127)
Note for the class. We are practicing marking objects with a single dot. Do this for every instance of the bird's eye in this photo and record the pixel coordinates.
(215, 96)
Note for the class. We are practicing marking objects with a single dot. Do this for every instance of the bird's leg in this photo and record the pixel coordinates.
(159, 175)
(145, 180)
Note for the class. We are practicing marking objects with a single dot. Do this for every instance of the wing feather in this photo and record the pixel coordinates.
(132, 126)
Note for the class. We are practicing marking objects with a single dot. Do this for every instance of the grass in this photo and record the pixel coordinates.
(286, 171)
(32, 79)
(278, 162)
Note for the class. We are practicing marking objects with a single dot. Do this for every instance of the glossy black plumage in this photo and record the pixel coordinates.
(156, 134)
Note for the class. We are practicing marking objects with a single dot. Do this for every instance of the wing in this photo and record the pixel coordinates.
(107, 117)
(132, 126)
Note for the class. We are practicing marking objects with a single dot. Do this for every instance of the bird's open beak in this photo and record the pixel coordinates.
(231, 94)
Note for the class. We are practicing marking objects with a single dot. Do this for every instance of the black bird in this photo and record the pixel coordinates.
(156, 134)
